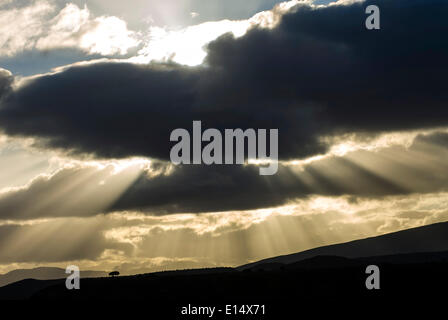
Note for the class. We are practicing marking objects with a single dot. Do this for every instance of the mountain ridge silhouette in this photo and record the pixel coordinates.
(42, 273)
(410, 266)
(429, 238)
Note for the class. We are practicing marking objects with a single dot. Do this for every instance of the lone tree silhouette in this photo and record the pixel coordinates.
(114, 274)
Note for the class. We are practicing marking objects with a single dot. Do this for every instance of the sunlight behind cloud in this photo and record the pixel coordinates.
(187, 46)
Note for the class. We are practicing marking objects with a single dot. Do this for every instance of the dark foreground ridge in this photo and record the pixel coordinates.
(43, 273)
(279, 285)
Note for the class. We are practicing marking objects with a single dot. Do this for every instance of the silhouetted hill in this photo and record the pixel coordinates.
(43, 273)
(25, 289)
(319, 285)
(318, 278)
(431, 238)
(334, 262)
(322, 278)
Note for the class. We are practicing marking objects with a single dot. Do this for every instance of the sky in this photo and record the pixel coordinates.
(90, 91)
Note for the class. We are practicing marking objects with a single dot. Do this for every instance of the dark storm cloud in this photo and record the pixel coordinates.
(395, 170)
(112, 110)
(319, 72)
(88, 191)
(223, 188)
(352, 78)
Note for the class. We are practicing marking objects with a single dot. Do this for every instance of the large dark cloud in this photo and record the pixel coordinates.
(89, 191)
(395, 170)
(209, 189)
(319, 72)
